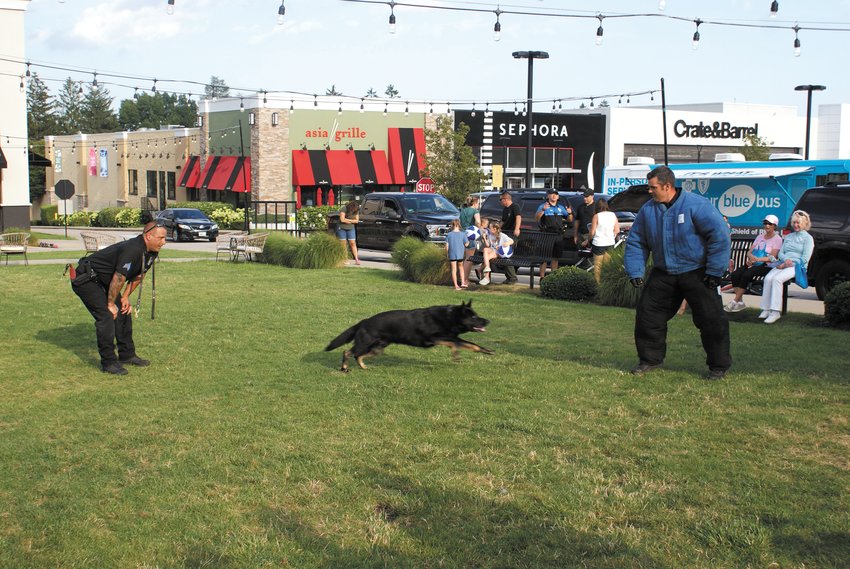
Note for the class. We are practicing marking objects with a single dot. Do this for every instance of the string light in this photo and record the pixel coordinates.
(695, 43)
(28, 70)
(291, 106)
(473, 108)
(662, 5)
(599, 30)
(392, 17)
(406, 107)
(94, 81)
(280, 12)
(241, 105)
(153, 90)
(361, 106)
(774, 8)
(170, 8)
(497, 29)
(796, 41)
(22, 84)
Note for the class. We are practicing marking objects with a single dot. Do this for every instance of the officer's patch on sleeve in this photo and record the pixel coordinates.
(127, 267)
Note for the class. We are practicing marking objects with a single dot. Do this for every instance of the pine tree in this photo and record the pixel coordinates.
(97, 113)
(216, 88)
(41, 122)
(69, 108)
(152, 111)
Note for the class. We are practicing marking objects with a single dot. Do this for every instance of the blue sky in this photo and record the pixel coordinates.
(444, 56)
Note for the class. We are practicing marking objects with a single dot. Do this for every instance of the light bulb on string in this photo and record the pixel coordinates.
(662, 5)
(695, 42)
(774, 8)
(280, 13)
(21, 87)
(28, 69)
(796, 29)
(497, 28)
(392, 17)
(170, 8)
(473, 109)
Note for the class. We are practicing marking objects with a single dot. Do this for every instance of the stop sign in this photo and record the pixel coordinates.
(64, 189)
(425, 185)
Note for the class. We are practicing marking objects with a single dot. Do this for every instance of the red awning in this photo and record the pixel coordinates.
(230, 173)
(406, 154)
(339, 167)
(191, 173)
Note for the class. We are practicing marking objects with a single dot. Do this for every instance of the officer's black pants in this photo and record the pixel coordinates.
(660, 300)
(109, 331)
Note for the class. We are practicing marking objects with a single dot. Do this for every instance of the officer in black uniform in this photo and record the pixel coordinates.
(99, 282)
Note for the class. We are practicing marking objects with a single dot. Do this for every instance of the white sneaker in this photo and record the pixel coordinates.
(735, 306)
(485, 281)
(774, 316)
(764, 314)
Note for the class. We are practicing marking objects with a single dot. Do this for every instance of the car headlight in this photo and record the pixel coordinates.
(214, 227)
(184, 226)
(436, 230)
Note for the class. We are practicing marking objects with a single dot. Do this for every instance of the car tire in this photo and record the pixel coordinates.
(832, 273)
(212, 239)
(175, 235)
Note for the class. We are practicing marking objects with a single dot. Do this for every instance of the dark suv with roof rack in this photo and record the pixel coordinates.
(829, 209)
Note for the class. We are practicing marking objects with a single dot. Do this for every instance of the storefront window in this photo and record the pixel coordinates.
(544, 158)
(516, 157)
(151, 184)
(172, 185)
(134, 182)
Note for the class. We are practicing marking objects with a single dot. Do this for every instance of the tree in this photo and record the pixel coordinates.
(332, 90)
(450, 162)
(40, 123)
(97, 114)
(604, 103)
(152, 111)
(216, 88)
(756, 148)
(69, 108)
(371, 94)
(391, 92)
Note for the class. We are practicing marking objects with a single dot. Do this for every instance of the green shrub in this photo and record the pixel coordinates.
(281, 249)
(320, 251)
(49, 213)
(228, 218)
(569, 283)
(106, 217)
(430, 265)
(836, 306)
(128, 217)
(401, 255)
(80, 219)
(614, 286)
(314, 218)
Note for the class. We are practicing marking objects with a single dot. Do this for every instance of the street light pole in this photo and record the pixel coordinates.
(809, 88)
(530, 56)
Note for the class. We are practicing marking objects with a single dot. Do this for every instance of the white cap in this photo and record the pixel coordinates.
(770, 218)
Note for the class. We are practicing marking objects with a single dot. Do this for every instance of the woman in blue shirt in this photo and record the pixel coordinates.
(797, 248)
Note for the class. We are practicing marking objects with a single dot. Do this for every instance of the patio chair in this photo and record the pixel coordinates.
(229, 243)
(251, 245)
(96, 241)
(14, 244)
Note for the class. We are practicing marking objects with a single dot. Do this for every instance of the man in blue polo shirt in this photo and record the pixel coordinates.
(552, 218)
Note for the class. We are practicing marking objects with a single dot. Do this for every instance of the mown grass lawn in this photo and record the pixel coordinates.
(243, 446)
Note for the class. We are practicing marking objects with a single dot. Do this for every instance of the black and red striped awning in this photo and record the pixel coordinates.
(339, 167)
(406, 154)
(191, 173)
(231, 173)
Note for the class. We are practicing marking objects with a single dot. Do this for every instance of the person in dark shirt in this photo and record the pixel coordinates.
(104, 282)
(511, 221)
(583, 218)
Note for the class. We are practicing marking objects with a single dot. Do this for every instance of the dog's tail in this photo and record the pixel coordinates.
(343, 338)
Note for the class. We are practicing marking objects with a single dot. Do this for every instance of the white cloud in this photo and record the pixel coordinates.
(122, 22)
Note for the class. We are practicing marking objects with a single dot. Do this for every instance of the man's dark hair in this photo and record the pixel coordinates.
(506, 193)
(663, 174)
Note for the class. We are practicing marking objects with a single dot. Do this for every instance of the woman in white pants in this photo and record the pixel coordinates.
(797, 248)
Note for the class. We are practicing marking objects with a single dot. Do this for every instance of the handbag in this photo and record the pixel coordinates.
(760, 252)
(800, 276)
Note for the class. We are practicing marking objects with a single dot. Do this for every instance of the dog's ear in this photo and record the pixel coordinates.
(467, 304)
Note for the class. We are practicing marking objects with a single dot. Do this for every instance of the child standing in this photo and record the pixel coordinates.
(455, 245)
(492, 241)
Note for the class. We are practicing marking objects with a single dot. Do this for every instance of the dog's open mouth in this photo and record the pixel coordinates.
(479, 329)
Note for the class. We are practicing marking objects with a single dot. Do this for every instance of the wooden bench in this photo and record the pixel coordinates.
(738, 258)
(531, 249)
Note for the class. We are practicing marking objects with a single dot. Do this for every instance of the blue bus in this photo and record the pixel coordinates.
(745, 192)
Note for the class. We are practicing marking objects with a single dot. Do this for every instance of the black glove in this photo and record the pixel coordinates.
(637, 282)
(711, 282)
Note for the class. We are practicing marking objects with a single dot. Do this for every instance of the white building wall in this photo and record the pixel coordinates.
(833, 134)
(13, 110)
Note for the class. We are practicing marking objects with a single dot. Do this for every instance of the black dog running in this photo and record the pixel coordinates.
(421, 328)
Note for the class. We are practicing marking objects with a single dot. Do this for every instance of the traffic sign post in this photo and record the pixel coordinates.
(425, 185)
(64, 190)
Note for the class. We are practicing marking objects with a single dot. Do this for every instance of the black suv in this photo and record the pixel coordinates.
(829, 209)
(386, 217)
